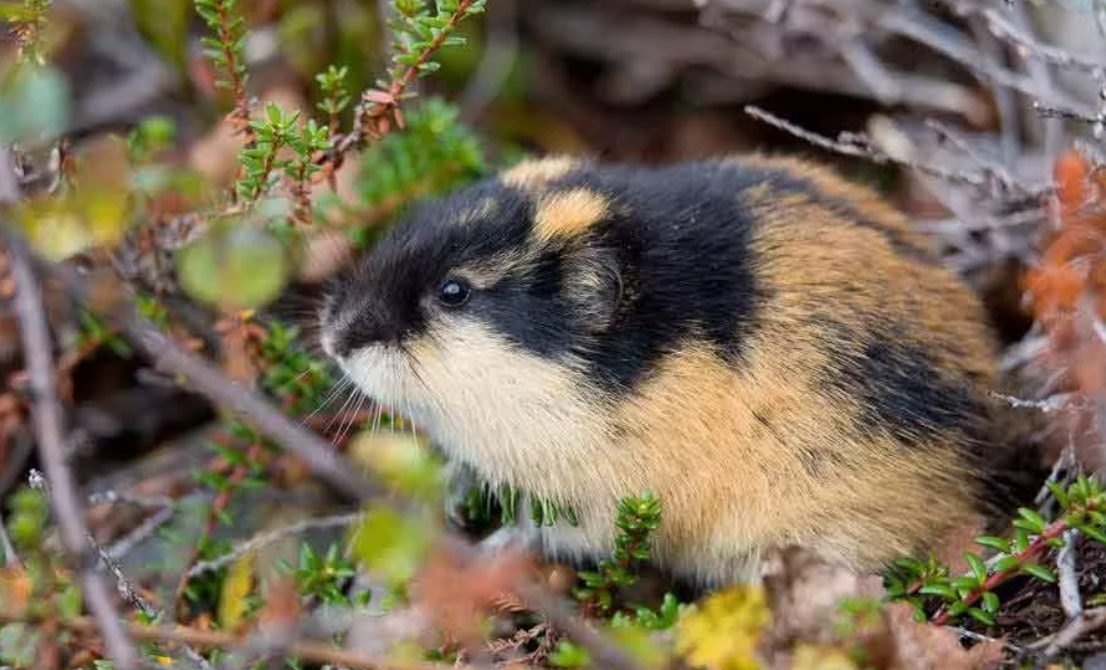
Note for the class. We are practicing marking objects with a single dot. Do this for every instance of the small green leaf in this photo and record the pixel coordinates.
(977, 566)
(939, 590)
(1040, 572)
(390, 544)
(990, 602)
(1094, 534)
(34, 105)
(242, 267)
(981, 616)
(996, 543)
(1036, 520)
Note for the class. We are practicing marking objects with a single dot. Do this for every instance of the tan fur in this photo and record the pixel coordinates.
(568, 214)
(488, 271)
(530, 175)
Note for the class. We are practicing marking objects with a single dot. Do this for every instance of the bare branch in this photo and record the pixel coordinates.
(317, 652)
(11, 559)
(47, 417)
(269, 537)
(852, 144)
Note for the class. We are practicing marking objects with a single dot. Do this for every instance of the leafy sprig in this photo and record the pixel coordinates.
(227, 52)
(925, 583)
(637, 518)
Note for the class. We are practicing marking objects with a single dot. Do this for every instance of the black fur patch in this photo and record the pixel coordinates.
(899, 386)
(681, 237)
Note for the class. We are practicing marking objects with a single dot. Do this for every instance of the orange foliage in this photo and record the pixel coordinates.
(1068, 286)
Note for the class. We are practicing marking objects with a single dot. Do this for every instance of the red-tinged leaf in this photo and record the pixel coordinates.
(379, 97)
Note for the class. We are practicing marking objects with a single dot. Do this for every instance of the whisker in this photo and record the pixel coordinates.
(378, 414)
(340, 414)
(341, 385)
(342, 432)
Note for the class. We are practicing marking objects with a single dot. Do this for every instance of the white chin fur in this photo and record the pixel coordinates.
(384, 374)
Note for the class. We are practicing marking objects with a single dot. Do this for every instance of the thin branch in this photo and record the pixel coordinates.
(146, 530)
(209, 381)
(1070, 600)
(337, 521)
(1092, 620)
(377, 105)
(852, 144)
(47, 418)
(11, 558)
(314, 652)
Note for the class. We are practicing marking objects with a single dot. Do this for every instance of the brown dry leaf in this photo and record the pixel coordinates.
(455, 593)
(15, 591)
(238, 361)
(282, 605)
(923, 646)
(805, 593)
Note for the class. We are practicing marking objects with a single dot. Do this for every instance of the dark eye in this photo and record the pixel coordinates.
(453, 292)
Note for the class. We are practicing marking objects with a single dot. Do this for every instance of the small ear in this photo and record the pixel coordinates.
(593, 284)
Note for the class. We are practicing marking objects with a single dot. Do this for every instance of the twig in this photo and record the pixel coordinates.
(1052, 403)
(46, 412)
(376, 104)
(206, 379)
(991, 167)
(1070, 600)
(1092, 620)
(315, 652)
(145, 530)
(11, 559)
(851, 144)
(1037, 547)
(123, 585)
(269, 537)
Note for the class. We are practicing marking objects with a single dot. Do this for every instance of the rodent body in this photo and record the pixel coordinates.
(766, 347)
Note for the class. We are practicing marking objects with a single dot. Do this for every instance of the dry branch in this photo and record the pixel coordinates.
(47, 415)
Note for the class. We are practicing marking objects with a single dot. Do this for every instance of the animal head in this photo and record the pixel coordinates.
(471, 316)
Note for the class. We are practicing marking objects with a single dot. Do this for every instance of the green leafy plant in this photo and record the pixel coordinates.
(325, 576)
(662, 618)
(927, 583)
(635, 522)
(227, 50)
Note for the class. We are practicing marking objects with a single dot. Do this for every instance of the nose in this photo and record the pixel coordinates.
(368, 326)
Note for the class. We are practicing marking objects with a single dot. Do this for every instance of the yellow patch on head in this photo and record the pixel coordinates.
(482, 210)
(531, 175)
(569, 214)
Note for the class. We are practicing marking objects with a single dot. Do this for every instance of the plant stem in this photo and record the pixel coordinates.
(1035, 548)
